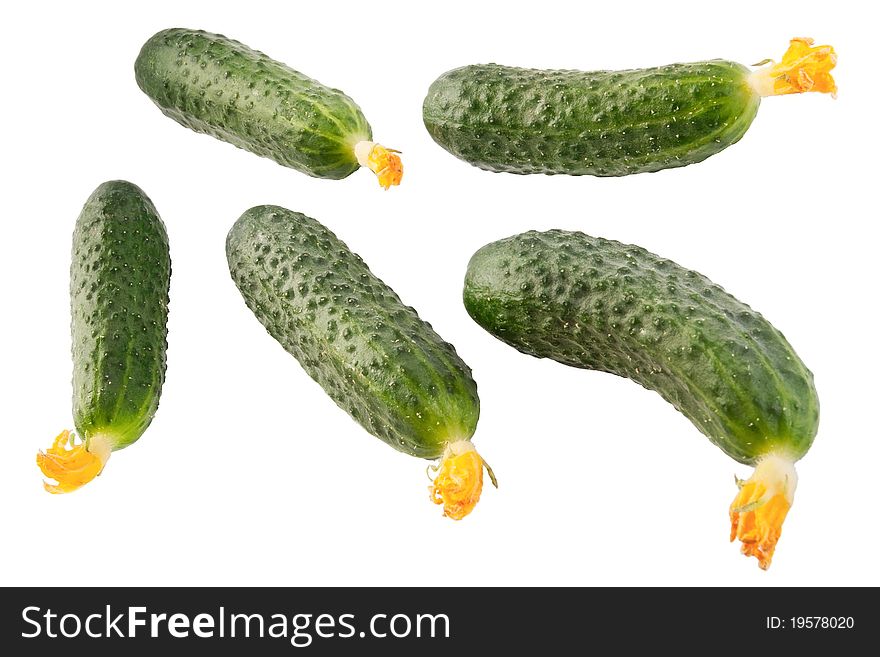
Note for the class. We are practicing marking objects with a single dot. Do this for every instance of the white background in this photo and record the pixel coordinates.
(250, 475)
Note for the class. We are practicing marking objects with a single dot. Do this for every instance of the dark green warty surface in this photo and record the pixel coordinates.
(221, 87)
(599, 304)
(372, 355)
(119, 276)
(602, 123)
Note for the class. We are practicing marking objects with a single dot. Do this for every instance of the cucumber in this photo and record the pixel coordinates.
(220, 87)
(119, 276)
(372, 354)
(609, 123)
(598, 304)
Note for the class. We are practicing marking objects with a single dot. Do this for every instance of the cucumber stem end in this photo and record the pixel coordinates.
(760, 507)
(73, 464)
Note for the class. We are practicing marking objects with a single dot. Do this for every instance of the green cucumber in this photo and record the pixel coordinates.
(372, 354)
(597, 304)
(609, 123)
(119, 276)
(220, 87)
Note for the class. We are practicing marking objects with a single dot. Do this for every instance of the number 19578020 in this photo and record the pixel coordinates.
(810, 623)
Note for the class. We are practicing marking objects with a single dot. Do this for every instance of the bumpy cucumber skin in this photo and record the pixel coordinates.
(119, 277)
(220, 87)
(599, 304)
(373, 355)
(603, 123)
